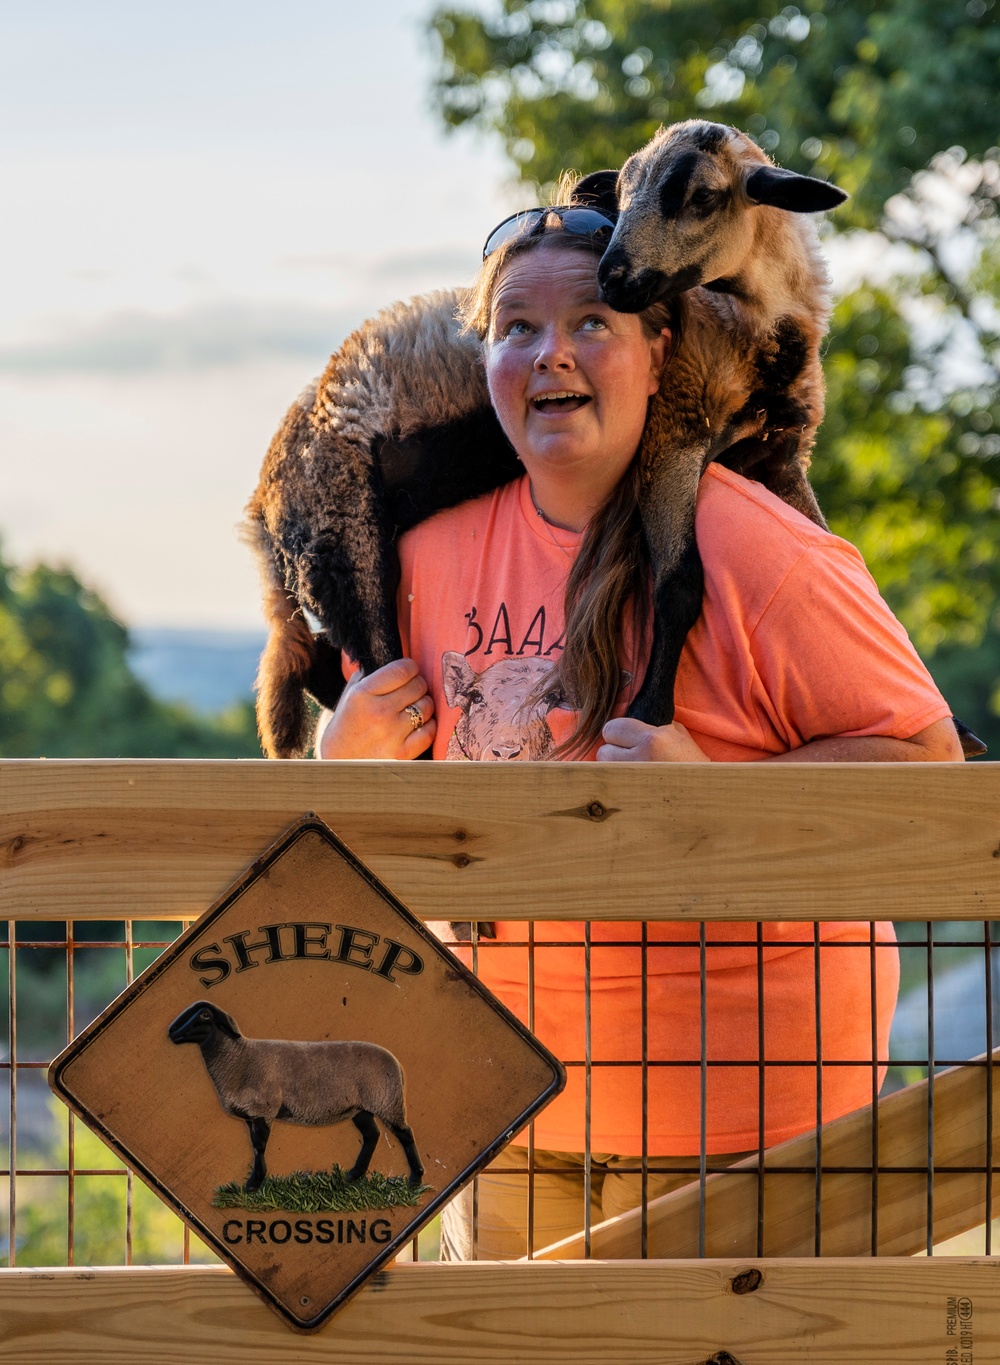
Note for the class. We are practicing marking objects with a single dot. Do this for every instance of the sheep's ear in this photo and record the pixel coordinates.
(457, 677)
(796, 193)
(599, 190)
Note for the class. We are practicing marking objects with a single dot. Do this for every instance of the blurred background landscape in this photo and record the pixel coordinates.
(203, 202)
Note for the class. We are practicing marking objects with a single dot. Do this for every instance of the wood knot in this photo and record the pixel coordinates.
(461, 860)
(722, 1358)
(460, 836)
(747, 1281)
(10, 850)
(594, 810)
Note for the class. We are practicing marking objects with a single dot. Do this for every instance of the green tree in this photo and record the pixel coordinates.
(66, 689)
(867, 91)
(895, 100)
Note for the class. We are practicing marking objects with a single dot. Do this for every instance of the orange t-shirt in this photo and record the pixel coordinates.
(794, 643)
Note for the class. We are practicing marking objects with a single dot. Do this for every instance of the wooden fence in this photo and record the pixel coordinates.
(160, 840)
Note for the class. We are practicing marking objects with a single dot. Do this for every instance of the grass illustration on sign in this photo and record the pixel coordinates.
(330, 1191)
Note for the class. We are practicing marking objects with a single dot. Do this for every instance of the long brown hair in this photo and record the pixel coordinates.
(607, 593)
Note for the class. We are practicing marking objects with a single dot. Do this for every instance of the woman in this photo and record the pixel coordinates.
(524, 617)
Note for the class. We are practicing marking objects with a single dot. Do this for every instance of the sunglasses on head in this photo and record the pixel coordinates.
(581, 222)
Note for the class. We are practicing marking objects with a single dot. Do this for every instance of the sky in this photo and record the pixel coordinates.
(201, 201)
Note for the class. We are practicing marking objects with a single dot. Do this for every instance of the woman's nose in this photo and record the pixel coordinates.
(555, 351)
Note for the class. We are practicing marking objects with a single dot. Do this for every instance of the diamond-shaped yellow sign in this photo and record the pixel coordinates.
(306, 1075)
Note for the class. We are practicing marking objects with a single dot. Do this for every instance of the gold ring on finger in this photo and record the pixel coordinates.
(416, 719)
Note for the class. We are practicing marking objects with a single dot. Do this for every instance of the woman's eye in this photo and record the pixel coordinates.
(517, 328)
(594, 324)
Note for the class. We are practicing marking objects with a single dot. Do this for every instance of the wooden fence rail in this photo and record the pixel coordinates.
(830, 1312)
(161, 840)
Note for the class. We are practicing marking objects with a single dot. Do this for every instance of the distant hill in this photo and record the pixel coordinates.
(208, 669)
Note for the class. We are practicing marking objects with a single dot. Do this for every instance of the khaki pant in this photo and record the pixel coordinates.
(558, 1199)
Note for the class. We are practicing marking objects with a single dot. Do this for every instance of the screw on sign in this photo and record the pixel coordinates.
(292, 1075)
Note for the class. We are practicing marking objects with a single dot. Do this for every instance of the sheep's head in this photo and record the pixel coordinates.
(685, 217)
(199, 1021)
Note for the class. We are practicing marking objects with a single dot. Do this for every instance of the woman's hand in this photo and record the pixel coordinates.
(372, 719)
(632, 741)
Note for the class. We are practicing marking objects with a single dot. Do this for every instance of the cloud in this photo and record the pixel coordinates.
(442, 265)
(216, 336)
(448, 264)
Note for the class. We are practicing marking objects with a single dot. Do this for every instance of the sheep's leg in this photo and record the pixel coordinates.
(670, 470)
(365, 1123)
(293, 659)
(349, 574)
(677, 598)
(260, 1131)
(347, 578)
(405, 1136)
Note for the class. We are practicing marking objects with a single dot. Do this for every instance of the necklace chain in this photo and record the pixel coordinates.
(546, 523)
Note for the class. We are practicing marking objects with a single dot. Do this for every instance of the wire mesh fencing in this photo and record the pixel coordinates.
(905, 1168)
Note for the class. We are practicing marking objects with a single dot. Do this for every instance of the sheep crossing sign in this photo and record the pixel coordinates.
(251, 1073)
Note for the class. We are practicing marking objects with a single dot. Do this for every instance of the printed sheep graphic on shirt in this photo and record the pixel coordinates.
(496, 721)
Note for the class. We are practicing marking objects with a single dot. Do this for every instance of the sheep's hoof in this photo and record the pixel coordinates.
(416, 1180)
(354, 1174)
(254, 1184)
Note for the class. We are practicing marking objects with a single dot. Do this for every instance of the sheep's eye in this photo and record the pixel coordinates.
(204, 1015)
(702, 197)
(475, 697)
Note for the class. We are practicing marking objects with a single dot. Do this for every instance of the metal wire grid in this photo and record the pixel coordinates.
(70, 945)
(968, 942)
(961, 937)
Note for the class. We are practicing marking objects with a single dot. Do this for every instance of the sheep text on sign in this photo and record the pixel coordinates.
(305, 939)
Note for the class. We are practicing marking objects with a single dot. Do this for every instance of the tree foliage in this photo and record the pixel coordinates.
(905, 481)
(896, 101)
(66, 689)
(865, 92)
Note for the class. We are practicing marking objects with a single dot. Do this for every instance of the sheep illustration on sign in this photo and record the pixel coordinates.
(260, 1080)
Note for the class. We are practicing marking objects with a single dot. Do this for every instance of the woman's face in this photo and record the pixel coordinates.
(570, 379)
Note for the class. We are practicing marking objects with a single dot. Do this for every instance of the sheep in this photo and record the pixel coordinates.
(379, 444)
(705, 217)
(399, 426)
(260, 1080)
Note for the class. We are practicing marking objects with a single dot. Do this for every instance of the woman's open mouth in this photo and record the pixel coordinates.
(561, 400)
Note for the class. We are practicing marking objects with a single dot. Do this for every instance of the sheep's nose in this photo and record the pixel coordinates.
(612, 276)
(506, 752)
